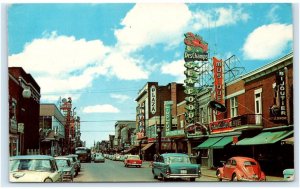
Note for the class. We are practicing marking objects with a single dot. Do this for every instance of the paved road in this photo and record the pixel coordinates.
(114, 171)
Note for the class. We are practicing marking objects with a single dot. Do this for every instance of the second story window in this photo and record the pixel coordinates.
(233, 107)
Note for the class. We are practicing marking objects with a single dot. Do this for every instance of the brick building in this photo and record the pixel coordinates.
(150, 116)
(259, 115)
(24, 107)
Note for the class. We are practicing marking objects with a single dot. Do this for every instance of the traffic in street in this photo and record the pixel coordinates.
(115, 171)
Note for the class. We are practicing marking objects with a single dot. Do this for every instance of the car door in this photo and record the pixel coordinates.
(56, 174)
(157, 166)
(230, 167)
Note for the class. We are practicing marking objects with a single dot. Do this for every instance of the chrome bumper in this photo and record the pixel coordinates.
(183, 176)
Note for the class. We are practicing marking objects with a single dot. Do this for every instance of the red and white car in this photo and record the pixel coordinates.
(133, 160)
(241, 169)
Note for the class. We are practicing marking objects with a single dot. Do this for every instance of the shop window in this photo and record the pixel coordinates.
(233, 107)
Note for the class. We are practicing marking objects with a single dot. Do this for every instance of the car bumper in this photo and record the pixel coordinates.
(183, 176)
(251, 180)
(134, 164)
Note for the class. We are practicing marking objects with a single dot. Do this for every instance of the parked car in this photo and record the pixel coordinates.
(34, 168)
(175, 165)
(99, 158)
(240, 169)
(75, 162)
(64, 164)
(133, 160)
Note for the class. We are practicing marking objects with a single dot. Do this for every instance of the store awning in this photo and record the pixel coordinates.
(223, 142)
(147, 146)
(266, 138)
(288, 141)
(209, 142)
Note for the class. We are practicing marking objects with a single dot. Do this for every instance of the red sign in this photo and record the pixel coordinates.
(218, 80)
(235, 139)
(220, 126)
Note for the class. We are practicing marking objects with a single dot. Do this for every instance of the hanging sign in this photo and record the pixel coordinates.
(218, 80)
(168, 115)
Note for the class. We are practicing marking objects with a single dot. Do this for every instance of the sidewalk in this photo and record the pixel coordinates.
(212, 173)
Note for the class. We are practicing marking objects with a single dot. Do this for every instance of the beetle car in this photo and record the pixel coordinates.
(241, 169)
(133, 160)
(174, 166)
(34, 168)
(64, 164)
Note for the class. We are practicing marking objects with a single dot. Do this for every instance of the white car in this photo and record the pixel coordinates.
(34, 168)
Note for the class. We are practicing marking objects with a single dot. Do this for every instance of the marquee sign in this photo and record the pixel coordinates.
(153, 99)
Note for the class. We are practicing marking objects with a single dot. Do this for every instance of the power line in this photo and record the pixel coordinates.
(92, 92)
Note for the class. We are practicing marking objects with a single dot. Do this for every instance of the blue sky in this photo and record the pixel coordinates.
(102, 54)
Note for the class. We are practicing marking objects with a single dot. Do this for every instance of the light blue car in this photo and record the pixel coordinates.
(175, 165)
(66, 167)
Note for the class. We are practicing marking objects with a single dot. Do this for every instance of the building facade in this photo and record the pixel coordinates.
(52, 130)
(259, 115)
(24, 107)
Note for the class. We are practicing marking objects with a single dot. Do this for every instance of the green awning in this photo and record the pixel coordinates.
(223, 142)
(266, 138)
(209, 142)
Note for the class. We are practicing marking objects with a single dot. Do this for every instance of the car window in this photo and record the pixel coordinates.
(61, 162)
(233, 162)
(249, 163)
(134, 157)
(177, 159)
(228, 162)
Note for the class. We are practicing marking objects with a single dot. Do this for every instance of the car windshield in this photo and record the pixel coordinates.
(62, 163)
(30, 165)
(249, 163)
(177, 159)
(133, 157)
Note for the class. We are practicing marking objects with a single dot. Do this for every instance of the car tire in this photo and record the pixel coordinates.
(164, 178)
(234, 177)
(192, 179)
(219, 175)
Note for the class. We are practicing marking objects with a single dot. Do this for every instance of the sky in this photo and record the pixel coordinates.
(102, 54)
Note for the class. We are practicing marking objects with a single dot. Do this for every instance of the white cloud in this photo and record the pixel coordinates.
(120, 97)
(267, 41)
(272, 13)
(219, 17)
(125, 67)
(150, 24)
(175, 68)
(62, 63)
(105, 108)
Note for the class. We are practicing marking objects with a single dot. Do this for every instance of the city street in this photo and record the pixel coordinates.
(114, 171)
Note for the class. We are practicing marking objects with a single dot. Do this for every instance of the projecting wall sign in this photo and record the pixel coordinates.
(153, 99)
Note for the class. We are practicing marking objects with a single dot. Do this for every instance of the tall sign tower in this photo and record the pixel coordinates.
(195, 51)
